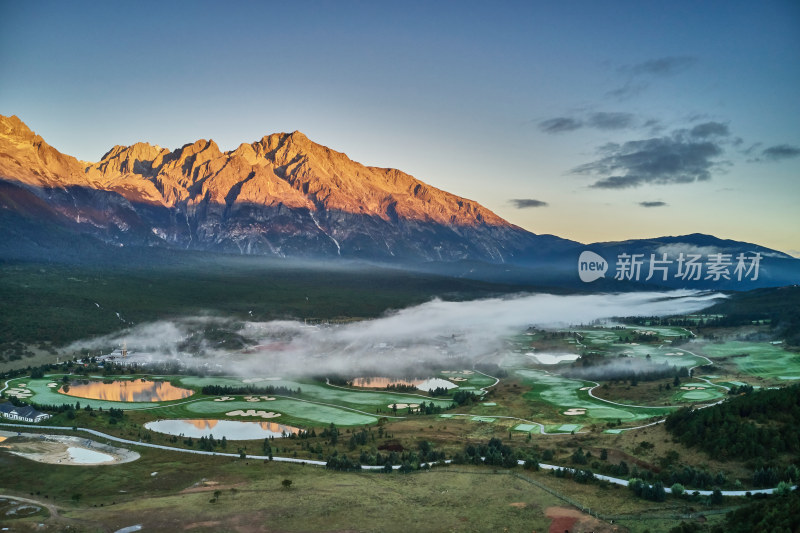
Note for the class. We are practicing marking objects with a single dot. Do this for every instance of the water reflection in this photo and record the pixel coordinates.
(127, 391)
(230, 429)
(382, 382)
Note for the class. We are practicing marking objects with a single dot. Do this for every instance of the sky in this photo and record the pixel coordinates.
(593, 121)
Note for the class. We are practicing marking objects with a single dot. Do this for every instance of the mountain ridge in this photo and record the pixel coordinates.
(280, 194)
(288, 197)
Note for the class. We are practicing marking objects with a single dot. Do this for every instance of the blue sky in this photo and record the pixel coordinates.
(590, 120)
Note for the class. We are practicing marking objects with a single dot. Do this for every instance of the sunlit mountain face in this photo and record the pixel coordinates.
(283, 195)
(127, 391)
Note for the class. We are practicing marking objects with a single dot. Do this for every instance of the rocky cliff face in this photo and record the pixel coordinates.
(282, 195)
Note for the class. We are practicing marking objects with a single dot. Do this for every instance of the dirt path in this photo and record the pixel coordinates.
(573, 521)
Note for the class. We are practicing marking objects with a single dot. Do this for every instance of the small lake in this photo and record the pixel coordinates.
(88, 457)
(137, 390)
(383, 382)
(230, 429)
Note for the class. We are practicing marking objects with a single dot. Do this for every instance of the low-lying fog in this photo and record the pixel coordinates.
(404, 342)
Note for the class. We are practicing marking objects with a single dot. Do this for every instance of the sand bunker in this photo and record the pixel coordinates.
(65, 450)
(258, 398)
(458, 379)
(584, 388)
(253, 412)
(19, 393)
(693, 388)
(224, 399)
(464, 372)
(575, 411)
(52, 385)
(404, 405)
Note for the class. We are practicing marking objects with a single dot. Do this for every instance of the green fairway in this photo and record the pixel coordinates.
(701, 392)
(564, 393)
(660, 355)
(758, 359)
(317, 404)
(296, 411)
(357, 399)
(663, 331)
(599, 337)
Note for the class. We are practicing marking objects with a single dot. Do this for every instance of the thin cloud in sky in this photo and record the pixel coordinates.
(780, 151)
(661, 160)
(662, 66)
(710, 129)
(527, 203)
(640, 75)
(611, 121)
(560, 125)
(653, 204)
(600, 120)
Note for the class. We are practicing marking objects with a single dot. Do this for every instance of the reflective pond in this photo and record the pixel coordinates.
(88, 457)
(382, 382)
(138, 390)
(230, 429)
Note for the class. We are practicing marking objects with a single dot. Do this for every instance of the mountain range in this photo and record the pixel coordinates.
(285, 196)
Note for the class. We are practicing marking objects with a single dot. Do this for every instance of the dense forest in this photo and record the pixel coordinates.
(780, 514)
(760, 425)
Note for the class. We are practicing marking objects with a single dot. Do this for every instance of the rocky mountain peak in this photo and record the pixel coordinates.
(264, 195)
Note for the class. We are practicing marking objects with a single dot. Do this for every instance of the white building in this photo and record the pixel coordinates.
(22, 414)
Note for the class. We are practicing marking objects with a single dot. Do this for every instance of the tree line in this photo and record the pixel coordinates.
(760, 425)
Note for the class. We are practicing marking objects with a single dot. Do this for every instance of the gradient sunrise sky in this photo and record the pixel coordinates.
(590, 120)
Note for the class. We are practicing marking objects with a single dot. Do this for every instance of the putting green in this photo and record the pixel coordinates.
(758, 359)
(525, 427)
(700, 395)
(474, 380)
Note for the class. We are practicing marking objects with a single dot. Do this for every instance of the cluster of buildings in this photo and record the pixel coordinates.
(22, 414)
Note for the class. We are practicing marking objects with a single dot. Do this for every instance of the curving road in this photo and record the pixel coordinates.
(610, 479)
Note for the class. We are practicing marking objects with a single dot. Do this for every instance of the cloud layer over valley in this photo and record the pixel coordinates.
(432, 334)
